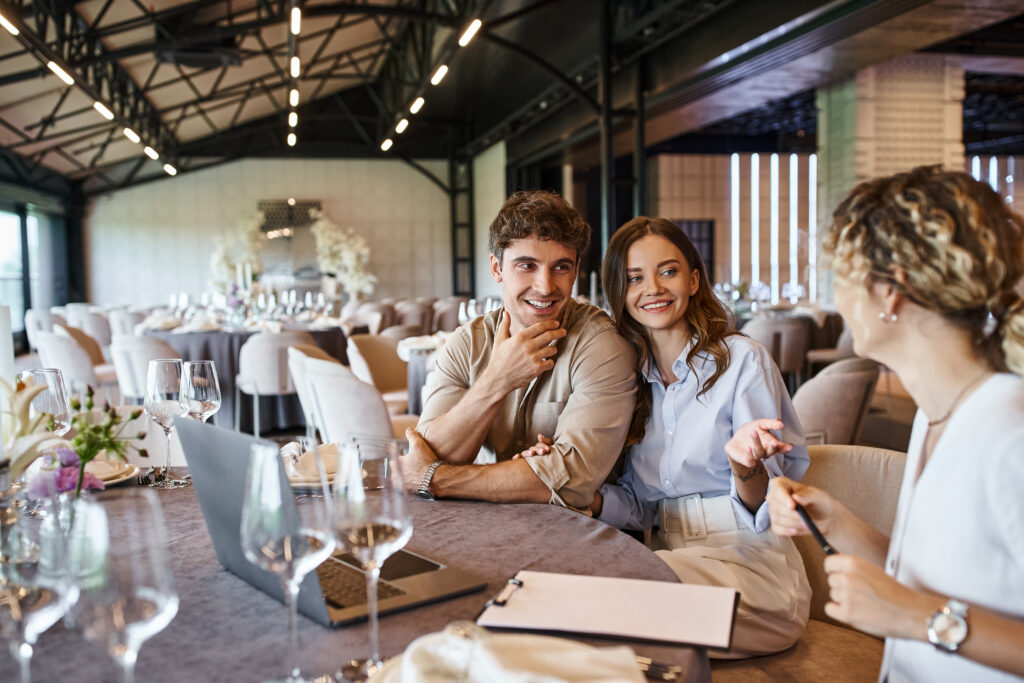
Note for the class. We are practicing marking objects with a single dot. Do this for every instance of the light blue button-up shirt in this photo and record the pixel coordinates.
(683, 450)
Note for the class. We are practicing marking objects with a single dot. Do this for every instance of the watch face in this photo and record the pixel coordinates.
(950, 628)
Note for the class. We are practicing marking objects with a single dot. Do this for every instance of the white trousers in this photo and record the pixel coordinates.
(767, 571)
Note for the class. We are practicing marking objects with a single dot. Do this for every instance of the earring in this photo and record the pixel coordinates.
(888, 317)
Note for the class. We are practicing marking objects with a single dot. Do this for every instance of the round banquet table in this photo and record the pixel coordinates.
(227, 630)
(276, 412)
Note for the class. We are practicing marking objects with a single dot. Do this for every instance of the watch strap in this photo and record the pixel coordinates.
(423, 490)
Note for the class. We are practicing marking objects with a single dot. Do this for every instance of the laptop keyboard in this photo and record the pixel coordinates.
(345, 586)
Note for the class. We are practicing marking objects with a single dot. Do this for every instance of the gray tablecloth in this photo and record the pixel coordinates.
(276, 412)
(226, 630)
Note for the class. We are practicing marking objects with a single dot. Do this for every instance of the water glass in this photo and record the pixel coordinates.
(51, 404)
(163, 403)
(200, 389)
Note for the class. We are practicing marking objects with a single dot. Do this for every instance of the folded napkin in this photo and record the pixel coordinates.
(159, 322)
(204, 325)
(466, 652)
(301, 467)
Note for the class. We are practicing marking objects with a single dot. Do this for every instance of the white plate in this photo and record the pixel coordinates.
(131, 474)
(111, 472)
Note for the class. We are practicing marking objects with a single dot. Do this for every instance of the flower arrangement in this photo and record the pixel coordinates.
(243, 246)
(343, 253)
(66, 460)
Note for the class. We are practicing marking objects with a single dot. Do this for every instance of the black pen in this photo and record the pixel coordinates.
(811, 526)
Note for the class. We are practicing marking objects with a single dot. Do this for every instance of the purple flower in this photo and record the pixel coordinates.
(67, 457)
(67, 480)
(42, 485)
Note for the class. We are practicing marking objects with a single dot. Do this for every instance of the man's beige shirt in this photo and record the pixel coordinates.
(584, 404)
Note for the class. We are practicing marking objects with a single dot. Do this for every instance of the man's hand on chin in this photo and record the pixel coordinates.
(416, 461)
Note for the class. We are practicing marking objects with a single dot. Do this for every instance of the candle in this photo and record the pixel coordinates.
(6, 360)
(238, 276)
(248, 276)
(593, 288)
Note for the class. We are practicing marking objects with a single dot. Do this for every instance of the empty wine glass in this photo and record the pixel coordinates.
(35, 589)
(163, 403)
(51, 404)
(371, 521)
(120, 568)
(287, 540)
(200, 389)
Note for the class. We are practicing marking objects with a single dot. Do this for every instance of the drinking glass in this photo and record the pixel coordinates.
(52, 403)
(163, 403)
(200, 389)
(120, 568)
(371, 521)
(289, 541)
(35, 590)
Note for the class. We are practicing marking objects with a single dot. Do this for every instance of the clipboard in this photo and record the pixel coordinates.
(633, 609)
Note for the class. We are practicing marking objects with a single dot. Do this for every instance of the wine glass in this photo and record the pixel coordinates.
(121, 570)
(52, 404)
(289, 541)
(200, 389)
(371, 521)
(163, 403)
(35, 588)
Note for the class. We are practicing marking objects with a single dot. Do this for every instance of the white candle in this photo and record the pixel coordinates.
(238, 276)
(248, 276)
(593, 288)
(6, 359)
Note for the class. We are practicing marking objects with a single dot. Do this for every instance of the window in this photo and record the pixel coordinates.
(702, 234)
(12, 281)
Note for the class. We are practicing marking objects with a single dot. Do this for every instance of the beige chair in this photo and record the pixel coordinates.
(400, 332)
(833, 404)
(131, 355)
(842, 349)
(374, 360)
(83, 339)
(414, 313)
(297, 356)
(786, 340)
(386, 311)
(867, 481)
(124, 322)
(446, 313)
(38, 320)
(263, 369)
(61, 352)
(343, 405)
(96, 326)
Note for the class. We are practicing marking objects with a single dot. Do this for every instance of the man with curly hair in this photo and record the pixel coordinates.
(543, 375)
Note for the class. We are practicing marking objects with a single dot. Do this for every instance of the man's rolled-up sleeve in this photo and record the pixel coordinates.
(593, 425)
(448, 382)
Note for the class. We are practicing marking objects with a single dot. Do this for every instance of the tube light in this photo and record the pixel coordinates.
(151, 153)
(11, 28)
(295, 67)
(102, 109)
(132, 135)
(170, 170)
(402, 125)
(293, 119)
(439, 75)
(291, 139)
(61, 73)
(470, 31)
(417, 104)
(296, 20)
(293, 97)
(386, 145)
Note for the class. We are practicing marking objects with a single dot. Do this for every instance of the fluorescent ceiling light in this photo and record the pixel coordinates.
(291, 139)
(293, 97)
(61, 73)
(439, 75)
(102, 109)
(402, 125)
(293, 119)
(295, 67)
(296, 20)
(132, 135)
(417, 104)
(470, 31)
(386, 145)
(170, 170)
(11, 28)
(151, 153)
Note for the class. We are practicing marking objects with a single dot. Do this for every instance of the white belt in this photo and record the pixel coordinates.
(693, 517)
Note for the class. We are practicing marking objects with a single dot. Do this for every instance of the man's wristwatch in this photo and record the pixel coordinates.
(947, 628)
(424, 488)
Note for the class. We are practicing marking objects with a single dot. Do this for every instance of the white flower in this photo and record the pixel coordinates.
(25, 438)
(344, 253)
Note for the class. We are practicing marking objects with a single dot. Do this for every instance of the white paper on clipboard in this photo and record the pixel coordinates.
(681, 613)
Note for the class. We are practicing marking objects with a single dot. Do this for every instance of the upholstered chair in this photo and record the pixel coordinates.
(374, 360)
(124, 322)
(832, 405)
(415, 313)
(131, 355)
(83, 339)
(446, 313)
(400, 332)
(38, 320)
(63, 353)
(786, 339)
(297, 356)
(263, 369)
(386, 310)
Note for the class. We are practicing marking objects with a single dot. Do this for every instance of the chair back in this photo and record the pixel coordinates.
(96, 326)
(263, 362)
(400, 332)
(835, 402)
(124, 322)
(83, 340)
(374, 360)
(844, 346)
(865, 480)
(785, 338)
(297, 356)
(56, 351)
(75, 312)
(39, 320)
(386, 311)
(131, 355)
(345, 405)
(446, 314)
(154, 443)
(414, 313)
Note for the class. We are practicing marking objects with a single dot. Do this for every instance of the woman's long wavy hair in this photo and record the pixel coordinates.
(705, 315)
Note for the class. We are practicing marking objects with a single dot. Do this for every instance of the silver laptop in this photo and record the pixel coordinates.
(335, 593)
